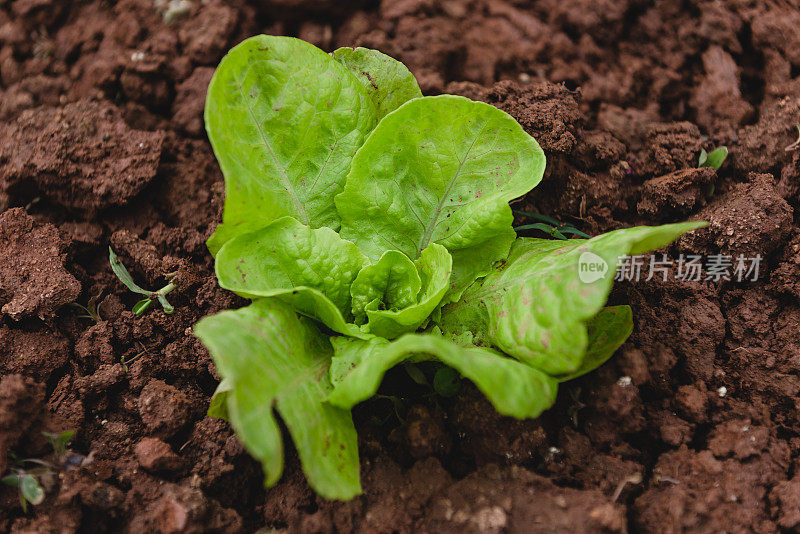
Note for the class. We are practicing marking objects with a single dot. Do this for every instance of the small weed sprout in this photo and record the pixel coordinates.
(576, 406)
(126, 278)
(549, 225)
(91, 310)
(446, 382)
(28, 480)
(29, 489)
(126, 362)
(59, 441)
(715, 158)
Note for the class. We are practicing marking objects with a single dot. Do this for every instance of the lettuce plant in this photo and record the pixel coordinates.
(370, 226)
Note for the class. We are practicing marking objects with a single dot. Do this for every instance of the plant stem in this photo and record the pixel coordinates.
(166, 290)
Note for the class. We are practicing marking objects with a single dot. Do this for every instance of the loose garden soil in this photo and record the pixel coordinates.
(693, 426)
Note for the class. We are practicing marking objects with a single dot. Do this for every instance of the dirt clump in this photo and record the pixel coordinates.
(696, 491)
(164, 409)
(183, 509)
(82, 156)
(33, 277)
(516, 500)
(761, 147)
(717, 100)
(20, 411)
(750, 219)
(677, 194)
(670, 147)
(39, 354)
(155, 455)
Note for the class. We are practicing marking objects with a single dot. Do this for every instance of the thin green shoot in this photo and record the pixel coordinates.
(127, 362)
(550, 226)
(59, 441)
(91, 310)
(142, 306)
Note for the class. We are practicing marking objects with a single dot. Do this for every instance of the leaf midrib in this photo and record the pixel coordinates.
(426, 237)
(287, 184)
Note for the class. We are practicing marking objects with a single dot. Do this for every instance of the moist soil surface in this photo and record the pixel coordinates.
(692, 426)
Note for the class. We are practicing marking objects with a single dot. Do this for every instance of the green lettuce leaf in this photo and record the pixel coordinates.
(434, 266)
(439, 170)
(515, 389)
(607, 331)
(312, 268)
(284, 119)
(392, 283)
(389, 83)
(476, 261)
(272, 359)
(535, 305)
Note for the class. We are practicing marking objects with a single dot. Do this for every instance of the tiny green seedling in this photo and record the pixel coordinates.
(29, 489)
(126, 278)
(416, 374)
(59, 441)
(27, 480)
(126, 362)
(91, 310)
(549, 225)
(446, 381)
(370, 226)
(715, 158)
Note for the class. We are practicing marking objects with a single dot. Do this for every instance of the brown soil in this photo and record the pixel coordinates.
(692, 426)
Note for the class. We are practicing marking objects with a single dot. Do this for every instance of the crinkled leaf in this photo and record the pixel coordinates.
(434, 266)
(284, 119)
(312, 268)
(535, 304)
(389, 83)
(514, 388)
(439, 170)
(272, 358)
(607, 331)
(392, 283)
(475, 262)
